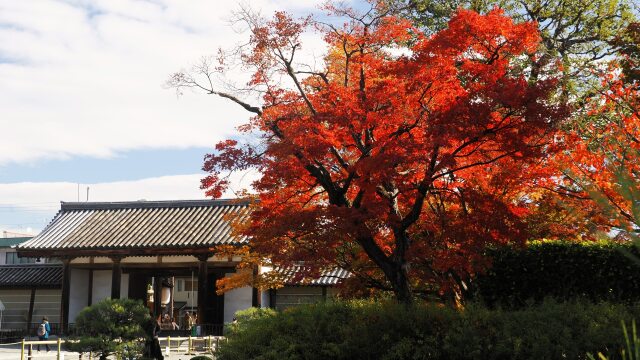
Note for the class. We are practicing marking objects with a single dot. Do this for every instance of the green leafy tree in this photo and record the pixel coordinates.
(112, 326)
(629, 43)
(575, 32)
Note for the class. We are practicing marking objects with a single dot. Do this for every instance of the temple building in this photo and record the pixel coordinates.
(161, 252)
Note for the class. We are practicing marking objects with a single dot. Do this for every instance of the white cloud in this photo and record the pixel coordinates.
(173, 187)
(84, 77)
(35, 203)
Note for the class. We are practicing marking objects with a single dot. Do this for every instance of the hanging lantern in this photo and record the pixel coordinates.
(149, 294)
(166, 292)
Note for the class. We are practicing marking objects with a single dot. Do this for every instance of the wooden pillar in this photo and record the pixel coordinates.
(171, 309)
(64, 303)
(255, 292)
(32, 300)
(324, 293)
(272, 298)
(157, 296)
(203, 271)
(116, 277)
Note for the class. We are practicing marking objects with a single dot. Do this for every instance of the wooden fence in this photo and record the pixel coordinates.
(188, 345)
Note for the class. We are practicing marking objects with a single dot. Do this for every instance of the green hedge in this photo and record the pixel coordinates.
(562, 270)
(365, 330)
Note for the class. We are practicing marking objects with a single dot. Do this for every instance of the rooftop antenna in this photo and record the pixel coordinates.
(87, 194)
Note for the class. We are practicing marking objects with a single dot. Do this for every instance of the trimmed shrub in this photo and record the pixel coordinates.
(600, 271)
(111, 326)
(244, 317)
(366, 330)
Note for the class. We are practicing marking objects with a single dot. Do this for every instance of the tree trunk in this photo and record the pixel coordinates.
(401, 286)
(394, 269)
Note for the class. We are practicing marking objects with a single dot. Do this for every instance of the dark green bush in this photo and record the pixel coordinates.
(562, 270)
(366, 330)
(111, 326)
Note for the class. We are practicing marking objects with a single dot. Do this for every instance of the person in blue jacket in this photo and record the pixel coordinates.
(43, 332)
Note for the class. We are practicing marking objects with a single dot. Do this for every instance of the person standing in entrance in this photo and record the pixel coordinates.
(189, 320)
(43, 332)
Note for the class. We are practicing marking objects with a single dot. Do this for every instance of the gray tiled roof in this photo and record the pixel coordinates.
(29, 275)
(329, 277)
(139, 225)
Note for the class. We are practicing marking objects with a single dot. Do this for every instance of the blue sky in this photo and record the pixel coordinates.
(126, 165)
(82, 101)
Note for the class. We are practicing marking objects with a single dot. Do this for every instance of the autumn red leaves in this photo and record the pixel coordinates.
(403, 156)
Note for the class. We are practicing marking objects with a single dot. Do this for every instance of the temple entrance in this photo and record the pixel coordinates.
(214, 307)
(138, 286)
(147, 285)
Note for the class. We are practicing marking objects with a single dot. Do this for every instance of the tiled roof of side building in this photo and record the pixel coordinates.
(140, 225)
(328, 277)
(30, 275)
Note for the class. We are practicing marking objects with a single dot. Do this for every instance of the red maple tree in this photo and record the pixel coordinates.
(602, 166)
(400, 159)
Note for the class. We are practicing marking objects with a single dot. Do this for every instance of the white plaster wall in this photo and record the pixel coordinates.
(264, 299)
(179, 259)
(46, 303)
(234, 300)
(80, 260)
(140, 260)
(79, 280)
(3, 256)
(101, 285)
(124, 286)
(264, 295)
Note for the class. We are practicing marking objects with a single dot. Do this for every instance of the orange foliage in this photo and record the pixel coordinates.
(398, 168)
(603, 162)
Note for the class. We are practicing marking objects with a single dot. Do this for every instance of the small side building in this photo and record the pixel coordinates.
(30, 288)
(296, 293)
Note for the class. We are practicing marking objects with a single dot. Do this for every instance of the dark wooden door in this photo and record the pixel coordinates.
(214, 310)
(138, 283)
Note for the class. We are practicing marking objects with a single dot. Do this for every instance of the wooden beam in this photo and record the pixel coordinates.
(151, 251)
(128, 267)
